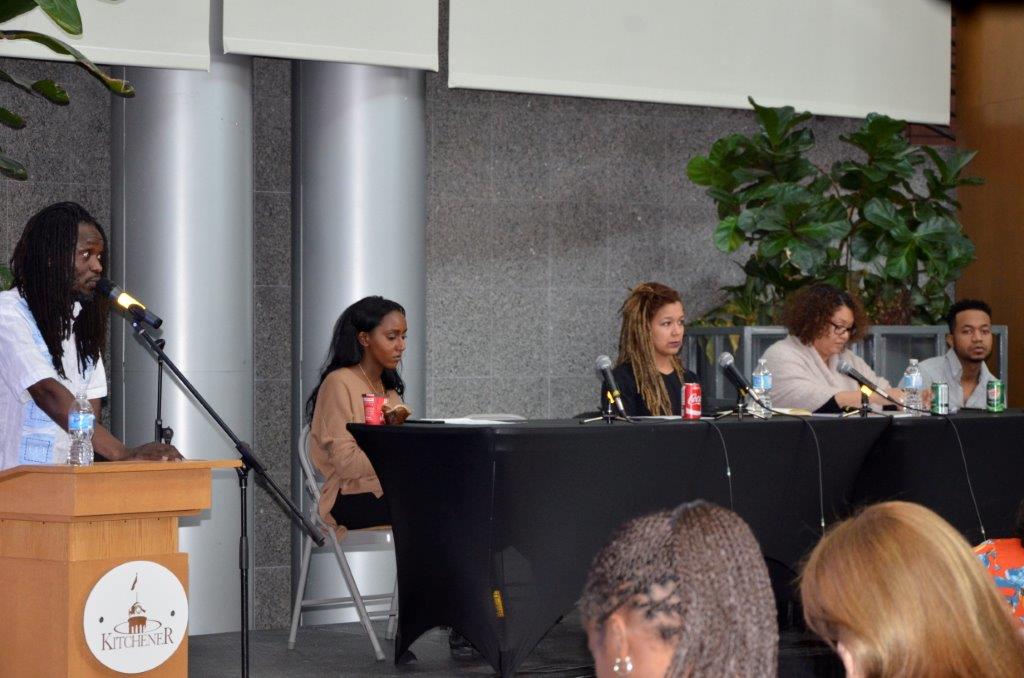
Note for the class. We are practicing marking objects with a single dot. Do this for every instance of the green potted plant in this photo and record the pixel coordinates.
(66, 15)
(862, 224)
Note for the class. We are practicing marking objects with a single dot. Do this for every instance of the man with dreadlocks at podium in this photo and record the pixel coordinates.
(52, 330)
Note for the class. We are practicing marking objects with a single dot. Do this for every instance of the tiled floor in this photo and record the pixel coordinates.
(343, 650)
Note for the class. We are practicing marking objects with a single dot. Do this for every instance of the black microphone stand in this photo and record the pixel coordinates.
(608, 413)
(740, 409)
(865, 404)
(249, 461)
(161, 434)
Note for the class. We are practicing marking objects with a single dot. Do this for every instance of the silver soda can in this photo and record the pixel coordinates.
(940, 398)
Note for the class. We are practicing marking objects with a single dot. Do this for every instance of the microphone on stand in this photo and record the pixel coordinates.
(846, 368)
(129, 303)
(604, 366)
(728, 365)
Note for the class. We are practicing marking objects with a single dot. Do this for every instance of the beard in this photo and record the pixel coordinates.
(966, 357)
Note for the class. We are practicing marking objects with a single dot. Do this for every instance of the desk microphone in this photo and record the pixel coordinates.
(604, 366)
(846, 368)
(129, 303)
(728, 365)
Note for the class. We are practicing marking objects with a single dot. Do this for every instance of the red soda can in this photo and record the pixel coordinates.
(691, 400)
(373, 408)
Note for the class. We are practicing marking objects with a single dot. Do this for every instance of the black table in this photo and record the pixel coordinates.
(919, 460)
(495, 526)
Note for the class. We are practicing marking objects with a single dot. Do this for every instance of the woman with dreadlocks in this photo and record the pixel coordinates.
(681, 593)
(52, 331)
(648, 372)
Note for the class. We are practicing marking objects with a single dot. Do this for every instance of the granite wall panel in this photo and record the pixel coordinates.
(272, 334)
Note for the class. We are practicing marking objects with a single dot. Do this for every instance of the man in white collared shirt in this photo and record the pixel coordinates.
(963, 366)
(52, 331)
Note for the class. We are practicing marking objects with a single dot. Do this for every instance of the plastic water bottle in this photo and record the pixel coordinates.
(81, 422)
(761, 387)
(912, 383)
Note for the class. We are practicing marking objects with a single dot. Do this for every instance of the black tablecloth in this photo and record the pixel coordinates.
(919, 460)
(495, 526)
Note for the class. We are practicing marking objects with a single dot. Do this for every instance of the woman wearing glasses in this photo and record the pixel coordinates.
(822, 321)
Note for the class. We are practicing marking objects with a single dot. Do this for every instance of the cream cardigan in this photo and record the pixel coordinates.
(802, 379)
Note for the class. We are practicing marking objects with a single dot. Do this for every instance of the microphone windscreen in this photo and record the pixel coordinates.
(603, 362)
(844, 367)
(104, 286)
(725, 359)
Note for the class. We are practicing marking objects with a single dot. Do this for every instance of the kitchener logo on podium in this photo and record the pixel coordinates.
(138, 630)
(135, 616)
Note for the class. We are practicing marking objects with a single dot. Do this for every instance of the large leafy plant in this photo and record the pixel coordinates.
(861, 224)
(66, 15)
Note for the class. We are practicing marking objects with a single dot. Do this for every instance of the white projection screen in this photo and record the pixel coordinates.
(375, 32)
(125, 33)
(831, 57)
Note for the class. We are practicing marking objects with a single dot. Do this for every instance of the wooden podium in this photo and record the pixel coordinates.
(62, 528)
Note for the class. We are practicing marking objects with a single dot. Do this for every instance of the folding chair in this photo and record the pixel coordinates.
(371, 539)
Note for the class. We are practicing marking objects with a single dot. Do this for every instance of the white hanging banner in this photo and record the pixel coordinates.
(833, 57)
(131, 33)
(375, 32)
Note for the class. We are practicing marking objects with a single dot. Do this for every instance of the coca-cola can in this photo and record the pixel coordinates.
(691, 400)
(373, 408)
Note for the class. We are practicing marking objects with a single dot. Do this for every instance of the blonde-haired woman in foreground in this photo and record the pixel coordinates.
(897, 592)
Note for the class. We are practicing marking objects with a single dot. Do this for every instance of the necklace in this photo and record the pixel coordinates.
(370, 384)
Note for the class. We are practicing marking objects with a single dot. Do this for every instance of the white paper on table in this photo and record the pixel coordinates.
(463, 421)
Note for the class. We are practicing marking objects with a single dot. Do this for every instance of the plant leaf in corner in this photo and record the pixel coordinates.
(119, 87)
(64, 13)
(10, 119)
(12, 8)
(9, 167)
(51, 91)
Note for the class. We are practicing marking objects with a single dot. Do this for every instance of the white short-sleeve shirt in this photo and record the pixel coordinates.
(27, 434)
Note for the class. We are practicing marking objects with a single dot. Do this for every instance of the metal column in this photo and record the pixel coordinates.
(359, 210)
(182, 243)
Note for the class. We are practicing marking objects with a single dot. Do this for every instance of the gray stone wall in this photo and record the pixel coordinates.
(543, 211)
(272, 336)
(66, 148)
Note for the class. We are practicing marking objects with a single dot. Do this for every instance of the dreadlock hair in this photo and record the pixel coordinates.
(345, 350)
(637, 349)
(697, 577)
(43, 266)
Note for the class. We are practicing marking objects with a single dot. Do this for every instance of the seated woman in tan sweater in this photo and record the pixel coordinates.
(366, 349)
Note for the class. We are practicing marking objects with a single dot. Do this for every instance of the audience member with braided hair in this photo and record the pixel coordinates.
(681, 593)
(52, 331)
(898, 592)
(648, 371)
